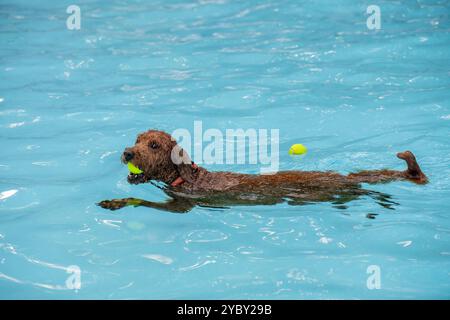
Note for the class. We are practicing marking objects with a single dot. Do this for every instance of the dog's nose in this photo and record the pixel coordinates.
(128, 155)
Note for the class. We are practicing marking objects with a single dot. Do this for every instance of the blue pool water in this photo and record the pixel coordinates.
(71, 100)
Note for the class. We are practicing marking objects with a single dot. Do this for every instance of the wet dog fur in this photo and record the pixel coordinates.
(189, 185)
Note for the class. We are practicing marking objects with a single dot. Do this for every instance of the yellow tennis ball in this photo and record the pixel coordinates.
(297, 149)
(134, 169)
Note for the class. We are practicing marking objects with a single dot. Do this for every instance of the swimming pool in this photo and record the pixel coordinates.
(71, 100)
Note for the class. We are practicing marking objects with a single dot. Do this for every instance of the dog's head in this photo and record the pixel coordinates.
(160, 158)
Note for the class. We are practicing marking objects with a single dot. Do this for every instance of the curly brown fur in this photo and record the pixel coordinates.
(189, 185)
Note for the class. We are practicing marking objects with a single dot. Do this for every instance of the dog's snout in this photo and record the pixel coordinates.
(128, 155)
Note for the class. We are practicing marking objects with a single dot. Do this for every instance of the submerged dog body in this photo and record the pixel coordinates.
(189, 185)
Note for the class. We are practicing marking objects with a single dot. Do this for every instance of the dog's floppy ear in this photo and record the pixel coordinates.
(186, 168)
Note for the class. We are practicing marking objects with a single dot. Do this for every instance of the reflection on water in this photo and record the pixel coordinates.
(182, 203)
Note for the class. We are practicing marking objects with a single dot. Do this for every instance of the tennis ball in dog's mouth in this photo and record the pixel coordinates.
(297, 149)
(134, 169)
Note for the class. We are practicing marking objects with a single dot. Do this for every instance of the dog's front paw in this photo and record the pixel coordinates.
(113, 204)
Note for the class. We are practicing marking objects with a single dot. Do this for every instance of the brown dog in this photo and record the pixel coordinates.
(189, 185)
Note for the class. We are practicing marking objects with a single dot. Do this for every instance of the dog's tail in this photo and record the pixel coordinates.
(413, 172)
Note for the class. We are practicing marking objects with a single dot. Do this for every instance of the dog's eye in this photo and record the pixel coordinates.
(153, 145)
